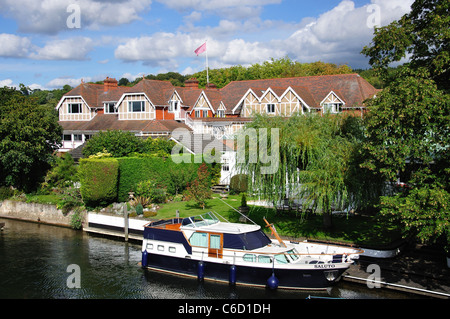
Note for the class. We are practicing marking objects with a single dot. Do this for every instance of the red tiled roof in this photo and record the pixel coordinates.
(103, 122)
(351, 88)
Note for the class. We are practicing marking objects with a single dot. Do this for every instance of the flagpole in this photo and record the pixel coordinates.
(207, 71)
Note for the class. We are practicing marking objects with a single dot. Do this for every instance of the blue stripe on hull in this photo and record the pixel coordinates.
(288, 278)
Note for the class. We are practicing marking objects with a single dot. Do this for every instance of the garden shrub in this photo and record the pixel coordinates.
(99, 179)
(239, 183)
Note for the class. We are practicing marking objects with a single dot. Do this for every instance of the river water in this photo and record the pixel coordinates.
(36, 262)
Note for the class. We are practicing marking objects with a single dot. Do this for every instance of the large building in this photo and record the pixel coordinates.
(154, 108)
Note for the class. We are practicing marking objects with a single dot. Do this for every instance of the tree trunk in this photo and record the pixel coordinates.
(327, 220)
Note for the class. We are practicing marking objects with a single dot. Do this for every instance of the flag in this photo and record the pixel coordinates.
(201, 49)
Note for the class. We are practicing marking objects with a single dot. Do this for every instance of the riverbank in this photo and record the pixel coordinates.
(34, 212)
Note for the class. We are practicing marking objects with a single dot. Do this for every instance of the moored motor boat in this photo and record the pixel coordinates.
(208, 248)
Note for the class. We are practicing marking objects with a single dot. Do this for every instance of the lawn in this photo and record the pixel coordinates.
(356, 229)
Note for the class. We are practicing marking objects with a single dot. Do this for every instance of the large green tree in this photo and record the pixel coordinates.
(408, 123)
(315, 164)
(29, 135)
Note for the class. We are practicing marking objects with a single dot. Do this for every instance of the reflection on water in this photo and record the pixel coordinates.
(34, 260)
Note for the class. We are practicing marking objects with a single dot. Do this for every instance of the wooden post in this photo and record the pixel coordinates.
(125, 221)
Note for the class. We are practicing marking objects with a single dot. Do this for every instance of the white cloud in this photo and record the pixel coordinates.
(10, 83)
(163, 49)
(240, 52)
(215, 5)
(157, 49)
(50, 16)
(14, 46)
(67, 49)
(340, 34)
(7, 82)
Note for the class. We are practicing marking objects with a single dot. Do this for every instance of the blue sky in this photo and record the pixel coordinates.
(46, 44)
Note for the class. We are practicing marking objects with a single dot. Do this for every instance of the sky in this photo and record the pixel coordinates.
(47, 44)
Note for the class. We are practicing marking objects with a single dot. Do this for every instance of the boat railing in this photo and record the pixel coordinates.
(283, 257)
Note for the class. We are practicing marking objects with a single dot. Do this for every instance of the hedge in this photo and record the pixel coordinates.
(167, 174)
(106, 180)
(98, 179)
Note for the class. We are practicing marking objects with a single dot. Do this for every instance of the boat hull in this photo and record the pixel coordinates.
(309, 279)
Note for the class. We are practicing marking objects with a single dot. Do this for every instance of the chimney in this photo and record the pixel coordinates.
(109, 83)
(192, 83)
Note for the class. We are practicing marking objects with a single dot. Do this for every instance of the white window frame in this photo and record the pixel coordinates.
(108, 105)
(131, 107)
(333, 107)
(174, 106)
(70, 108)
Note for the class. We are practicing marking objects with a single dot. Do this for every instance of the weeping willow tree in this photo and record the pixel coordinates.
(308, 158)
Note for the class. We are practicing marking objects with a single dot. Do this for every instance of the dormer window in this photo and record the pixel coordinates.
(174, 106)
(332, 107)
(136, 106)
(74, 108)
(220, 113)
(110, 107)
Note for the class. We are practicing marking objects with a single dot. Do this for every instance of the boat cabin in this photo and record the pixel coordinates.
(207, 231)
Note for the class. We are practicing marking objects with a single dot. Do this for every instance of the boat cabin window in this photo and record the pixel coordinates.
(199, 239)
(149, 246)
(264, 259)
(281, 259)
(214, 241)
(293, 254)
(172, 249)
(160, 247)
(249, 257)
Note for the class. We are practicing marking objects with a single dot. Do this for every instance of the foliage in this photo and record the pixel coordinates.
(408, 124)
(243, 200)
(62, 173)
(423, 35)
(239, 183)
(163, 172)
(76, 221)
(424, 213)
(407, 127)
(159, 146)
(6, 192)
(98, 179)
(316, 163)
(136, 169)
(199, 190)
(275, 68)
(139, 209)
(149, 189)
(117, 143)
(29, 134)
(70, 199)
